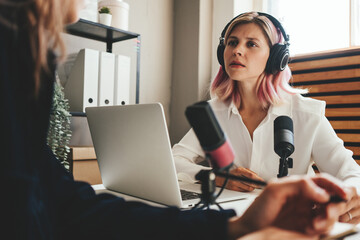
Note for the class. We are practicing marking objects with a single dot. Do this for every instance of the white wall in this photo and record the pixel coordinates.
(191, 60)
(223, 12)
(153, 19)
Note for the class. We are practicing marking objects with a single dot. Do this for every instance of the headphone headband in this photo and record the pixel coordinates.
(277, 24)
(274, 21)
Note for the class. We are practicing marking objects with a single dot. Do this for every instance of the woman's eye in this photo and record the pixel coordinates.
(232, 43)
(251, 44)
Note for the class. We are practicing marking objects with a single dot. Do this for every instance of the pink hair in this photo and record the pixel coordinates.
(270, 87)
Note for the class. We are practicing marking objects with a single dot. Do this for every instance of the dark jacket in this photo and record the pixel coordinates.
(40, 199)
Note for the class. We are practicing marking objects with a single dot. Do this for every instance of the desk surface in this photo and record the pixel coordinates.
(239, 206)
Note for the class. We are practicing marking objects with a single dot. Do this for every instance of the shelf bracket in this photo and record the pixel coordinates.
(109, 37)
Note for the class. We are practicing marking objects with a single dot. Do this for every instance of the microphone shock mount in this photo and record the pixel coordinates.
(284, 164)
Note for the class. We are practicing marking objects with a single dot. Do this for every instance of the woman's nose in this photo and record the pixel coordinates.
(238, 50)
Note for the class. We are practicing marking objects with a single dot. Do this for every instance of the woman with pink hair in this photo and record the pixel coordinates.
(249, 92)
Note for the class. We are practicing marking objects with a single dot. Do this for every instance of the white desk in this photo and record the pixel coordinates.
(239, 205)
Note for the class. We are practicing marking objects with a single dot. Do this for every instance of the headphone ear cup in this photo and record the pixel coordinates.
(220, 54)
(278, 58)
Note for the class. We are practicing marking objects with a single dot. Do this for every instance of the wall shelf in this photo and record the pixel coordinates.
(109, 35)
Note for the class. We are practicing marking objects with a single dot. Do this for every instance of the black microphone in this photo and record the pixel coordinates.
(283, 136)
(284, 143)
(210, 135)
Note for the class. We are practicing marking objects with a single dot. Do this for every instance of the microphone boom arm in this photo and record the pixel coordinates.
(239, 178)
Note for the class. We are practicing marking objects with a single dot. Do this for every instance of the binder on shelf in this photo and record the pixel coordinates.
(81, 88)
(122, 80)
(106, 79)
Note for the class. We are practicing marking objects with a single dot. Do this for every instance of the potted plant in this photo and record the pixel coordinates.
(105, 16)
(59, 133)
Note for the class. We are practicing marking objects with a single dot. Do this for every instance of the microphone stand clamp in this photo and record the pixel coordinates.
(285, 163)
(208, 187)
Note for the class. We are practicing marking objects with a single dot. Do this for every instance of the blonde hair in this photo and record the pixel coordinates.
(43, 21)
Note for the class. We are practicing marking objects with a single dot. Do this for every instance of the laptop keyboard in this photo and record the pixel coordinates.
(187, 195)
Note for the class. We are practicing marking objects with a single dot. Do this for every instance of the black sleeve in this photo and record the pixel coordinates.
(105, 216)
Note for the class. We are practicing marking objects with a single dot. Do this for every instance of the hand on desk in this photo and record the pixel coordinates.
(299, 204)
(351, 213)
(238, 185)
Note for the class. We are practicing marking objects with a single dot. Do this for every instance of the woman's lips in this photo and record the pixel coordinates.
(236, 64)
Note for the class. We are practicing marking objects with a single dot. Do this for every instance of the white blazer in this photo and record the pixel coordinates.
(314, 138)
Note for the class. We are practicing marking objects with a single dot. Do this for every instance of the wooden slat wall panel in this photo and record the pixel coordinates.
(347, 137)
(325, 63)
(355, 150)
(334, 78)
(339, 99)
(343, 112)
(345, 124)
(326, 75)
(333, 87)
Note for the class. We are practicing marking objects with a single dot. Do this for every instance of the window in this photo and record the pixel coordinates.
(317, 25)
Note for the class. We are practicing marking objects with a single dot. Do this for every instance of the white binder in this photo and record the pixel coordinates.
(106, 79)
(81, 88)
(122, 80)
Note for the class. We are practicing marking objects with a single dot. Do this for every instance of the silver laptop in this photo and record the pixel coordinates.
(134, 154)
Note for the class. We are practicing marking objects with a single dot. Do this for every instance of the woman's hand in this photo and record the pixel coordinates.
(238, 185)
(352, 209)
(299, 204)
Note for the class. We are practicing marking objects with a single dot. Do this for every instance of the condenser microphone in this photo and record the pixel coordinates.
(283, 136)
(210, 135)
